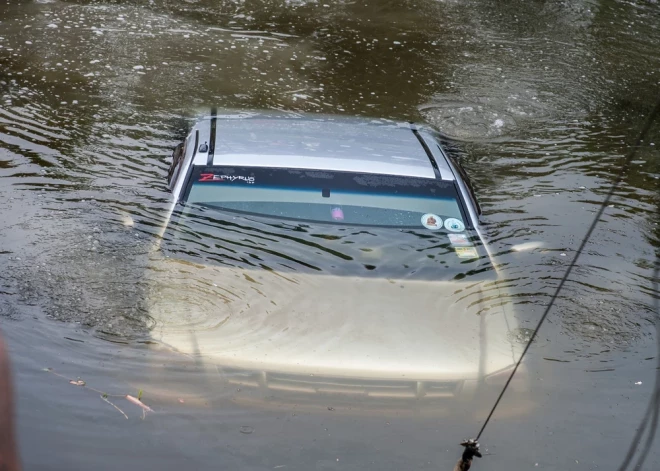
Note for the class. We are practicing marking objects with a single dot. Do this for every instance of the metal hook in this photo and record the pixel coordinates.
(471, 450)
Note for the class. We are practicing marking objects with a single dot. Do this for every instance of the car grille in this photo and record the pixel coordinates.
(327, 385)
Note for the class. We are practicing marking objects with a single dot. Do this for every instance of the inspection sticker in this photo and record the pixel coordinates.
(459, 239)
(432, 221)
(466, 252)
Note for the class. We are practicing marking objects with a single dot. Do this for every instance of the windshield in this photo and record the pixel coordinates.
(335, 223)
(339, 198)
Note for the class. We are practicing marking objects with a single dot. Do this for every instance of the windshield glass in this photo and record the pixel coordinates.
(330, 197)
(334, 223)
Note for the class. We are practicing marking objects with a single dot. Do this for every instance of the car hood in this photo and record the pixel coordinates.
(319, 324)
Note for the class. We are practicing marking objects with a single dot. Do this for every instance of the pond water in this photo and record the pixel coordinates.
(542, 101)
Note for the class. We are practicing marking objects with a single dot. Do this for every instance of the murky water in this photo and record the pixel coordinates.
(542, 101)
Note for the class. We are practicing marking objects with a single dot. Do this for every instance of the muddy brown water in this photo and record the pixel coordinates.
(543, 101)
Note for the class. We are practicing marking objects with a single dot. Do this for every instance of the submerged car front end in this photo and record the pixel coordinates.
(330, 285)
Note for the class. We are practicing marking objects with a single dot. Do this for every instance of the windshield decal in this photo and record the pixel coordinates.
(337, 213)
(459, 240)
(466, 252)
(454, 225)
(212, 177)
(432, 221)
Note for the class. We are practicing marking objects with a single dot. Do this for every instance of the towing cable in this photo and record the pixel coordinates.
(472, 445)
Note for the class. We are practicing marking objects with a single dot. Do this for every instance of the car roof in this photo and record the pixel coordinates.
(320, 143)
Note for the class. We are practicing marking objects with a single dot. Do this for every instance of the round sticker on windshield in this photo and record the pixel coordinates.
(432, 222)
(337, 214)
(454, 225)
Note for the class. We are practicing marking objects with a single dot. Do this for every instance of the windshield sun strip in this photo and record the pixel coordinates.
(196, 171)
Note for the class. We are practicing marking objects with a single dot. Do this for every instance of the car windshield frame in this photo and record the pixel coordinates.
(319, 180)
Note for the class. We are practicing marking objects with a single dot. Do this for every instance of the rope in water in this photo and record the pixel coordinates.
(654, 405)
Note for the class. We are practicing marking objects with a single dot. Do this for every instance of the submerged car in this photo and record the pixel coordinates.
(330, 256)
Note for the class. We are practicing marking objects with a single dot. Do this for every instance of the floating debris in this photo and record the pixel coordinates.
(557, 360)
(104, 396)
(138, 402)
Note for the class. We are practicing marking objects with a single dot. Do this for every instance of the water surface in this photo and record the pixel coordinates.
(542, 102)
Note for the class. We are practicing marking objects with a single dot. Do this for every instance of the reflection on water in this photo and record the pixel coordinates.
(204, 235)
(542, 101)
(238, 292)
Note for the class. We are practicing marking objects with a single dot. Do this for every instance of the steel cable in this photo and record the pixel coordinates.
(654, 404)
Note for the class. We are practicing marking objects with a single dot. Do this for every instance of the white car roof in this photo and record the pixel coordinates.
(325, 143)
